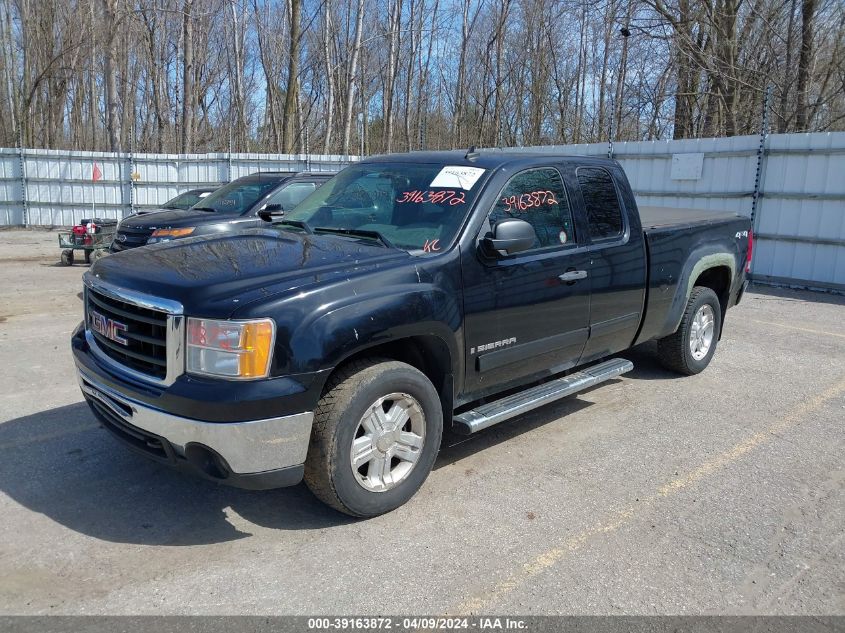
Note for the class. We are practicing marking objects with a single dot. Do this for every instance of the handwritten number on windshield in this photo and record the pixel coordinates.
(529, 200)
(435, 197)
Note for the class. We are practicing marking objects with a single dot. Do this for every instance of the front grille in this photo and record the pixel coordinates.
(143, 329)
(130, 237)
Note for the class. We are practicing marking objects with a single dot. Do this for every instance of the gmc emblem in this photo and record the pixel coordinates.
(109, 328)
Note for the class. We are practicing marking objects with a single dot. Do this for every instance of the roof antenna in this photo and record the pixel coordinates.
(471, 153)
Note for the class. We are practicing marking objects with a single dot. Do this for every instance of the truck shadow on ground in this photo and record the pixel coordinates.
(62, 464)
(646, 365)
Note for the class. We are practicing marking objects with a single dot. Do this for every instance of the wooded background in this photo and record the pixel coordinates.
(367, 76)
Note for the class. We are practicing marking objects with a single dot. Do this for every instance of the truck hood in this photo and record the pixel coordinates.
(214, 276)
(174, 219)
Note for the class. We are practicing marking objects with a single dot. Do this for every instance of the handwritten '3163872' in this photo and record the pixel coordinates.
(435, 197)
(528, 200)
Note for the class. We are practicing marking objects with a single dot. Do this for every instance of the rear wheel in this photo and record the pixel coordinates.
(67, 257)
(376, 435)
(690, 349)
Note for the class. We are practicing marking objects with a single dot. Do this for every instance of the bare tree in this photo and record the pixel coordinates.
(342, 75)
(292, 94)
(110, 72)
(808, 10)
(352, 77)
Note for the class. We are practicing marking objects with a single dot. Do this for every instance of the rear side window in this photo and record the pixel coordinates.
(601, 203)
(538, 197)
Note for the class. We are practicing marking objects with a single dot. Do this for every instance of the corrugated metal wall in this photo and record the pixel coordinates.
(800, 193)
(799, 221)
(60, 191)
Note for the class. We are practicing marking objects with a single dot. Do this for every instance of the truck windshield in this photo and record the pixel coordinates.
(415, 206)
(236, 197)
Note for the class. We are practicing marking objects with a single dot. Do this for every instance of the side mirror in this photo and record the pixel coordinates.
(510, 236)
(271, 211)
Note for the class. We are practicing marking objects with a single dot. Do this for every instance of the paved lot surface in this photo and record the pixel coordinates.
(722, 493)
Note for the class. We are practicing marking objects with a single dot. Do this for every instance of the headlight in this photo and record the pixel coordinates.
(163, 235)
(230, 349)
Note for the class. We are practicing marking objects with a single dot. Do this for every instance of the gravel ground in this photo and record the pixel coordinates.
(722, 493)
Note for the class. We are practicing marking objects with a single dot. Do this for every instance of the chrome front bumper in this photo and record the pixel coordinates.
(246, 448)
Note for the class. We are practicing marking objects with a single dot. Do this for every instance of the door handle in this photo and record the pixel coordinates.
(573, 275)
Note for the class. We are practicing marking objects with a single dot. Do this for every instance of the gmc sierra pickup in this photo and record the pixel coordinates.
(410, 292)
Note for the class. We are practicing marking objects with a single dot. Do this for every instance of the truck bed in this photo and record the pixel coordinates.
(661, 217)
(675, 237)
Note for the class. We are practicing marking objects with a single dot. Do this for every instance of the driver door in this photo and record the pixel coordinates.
(527, 314)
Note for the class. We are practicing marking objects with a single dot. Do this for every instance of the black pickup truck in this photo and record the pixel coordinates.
(409, 293)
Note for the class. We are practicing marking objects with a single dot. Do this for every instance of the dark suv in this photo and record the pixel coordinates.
(230, 208)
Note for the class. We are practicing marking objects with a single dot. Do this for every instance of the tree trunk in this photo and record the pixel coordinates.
(236, 75)
(619, 95)
(292, 94)
(330, 88)
(187, 77)
(460, 90)
(808, 9)
(394, 14)
(112, 106)
(787, 74)
(10, 65)
(352, 78)
(608, 34)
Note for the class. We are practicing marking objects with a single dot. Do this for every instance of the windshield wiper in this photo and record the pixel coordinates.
(373, 235)
(204, 209)
(296, 223)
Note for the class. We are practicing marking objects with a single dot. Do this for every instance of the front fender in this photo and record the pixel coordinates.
(325, 339)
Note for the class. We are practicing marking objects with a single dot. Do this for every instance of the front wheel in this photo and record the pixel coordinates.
(376, 435)
(690, 349)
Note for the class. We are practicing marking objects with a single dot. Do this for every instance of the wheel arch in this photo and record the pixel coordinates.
(709, 269)
(428, 353)
(718, 279)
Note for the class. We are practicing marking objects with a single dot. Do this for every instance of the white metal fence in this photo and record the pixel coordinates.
(792, 184)
(56, 188)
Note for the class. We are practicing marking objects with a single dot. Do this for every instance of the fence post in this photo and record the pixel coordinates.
(307, 150)
(131, 158)
(229, 158)
(761, 159)
(22, 161)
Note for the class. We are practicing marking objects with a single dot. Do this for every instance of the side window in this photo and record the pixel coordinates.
(601, 203)
(538, 197)
(293, 194)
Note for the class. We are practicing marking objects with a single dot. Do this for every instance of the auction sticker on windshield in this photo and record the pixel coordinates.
(456, 176)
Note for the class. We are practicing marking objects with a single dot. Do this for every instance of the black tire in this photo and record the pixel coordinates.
(87, 256)
(674, 350)
(98, 255)
(350, 393)
(67, 257)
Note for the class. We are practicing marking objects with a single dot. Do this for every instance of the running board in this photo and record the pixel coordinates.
(511, 406)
